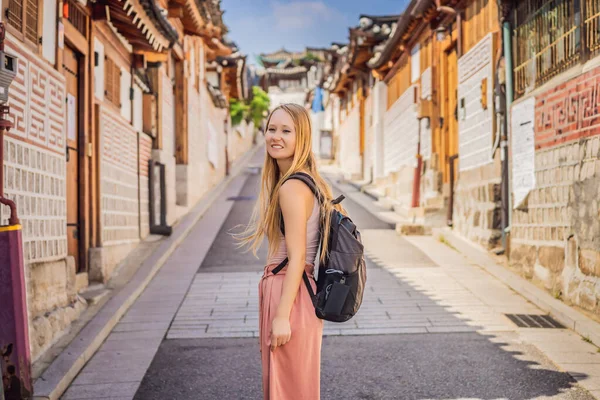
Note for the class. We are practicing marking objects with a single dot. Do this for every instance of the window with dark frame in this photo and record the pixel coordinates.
(112, 82)
(23, 15)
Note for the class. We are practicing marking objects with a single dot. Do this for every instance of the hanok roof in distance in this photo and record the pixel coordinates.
(416, 11)
(211, 11)
(371, 31)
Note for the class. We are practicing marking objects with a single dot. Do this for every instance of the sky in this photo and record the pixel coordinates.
(263, 26)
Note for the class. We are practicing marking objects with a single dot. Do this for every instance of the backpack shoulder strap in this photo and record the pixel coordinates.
(308, 180)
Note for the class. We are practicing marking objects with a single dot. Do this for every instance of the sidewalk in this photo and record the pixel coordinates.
(471, 284)
(76, 349)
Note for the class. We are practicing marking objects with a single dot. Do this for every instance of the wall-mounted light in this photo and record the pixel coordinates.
(440, 33)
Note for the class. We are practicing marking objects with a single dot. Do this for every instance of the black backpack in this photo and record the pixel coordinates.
(342, 276)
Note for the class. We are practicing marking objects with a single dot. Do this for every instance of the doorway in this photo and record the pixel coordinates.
(72, 72)
(449, 112)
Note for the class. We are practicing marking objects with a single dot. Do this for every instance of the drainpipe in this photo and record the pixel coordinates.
(506, 196)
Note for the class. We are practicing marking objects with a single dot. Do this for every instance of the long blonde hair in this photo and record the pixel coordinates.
(267, 212)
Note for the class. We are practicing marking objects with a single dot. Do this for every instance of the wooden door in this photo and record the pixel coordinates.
(71, 72)
(449, 78)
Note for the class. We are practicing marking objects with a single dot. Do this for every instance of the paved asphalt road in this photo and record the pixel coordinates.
(433, 366)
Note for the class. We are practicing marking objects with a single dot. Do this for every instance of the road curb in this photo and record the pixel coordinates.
(565, 314)
(62, 371)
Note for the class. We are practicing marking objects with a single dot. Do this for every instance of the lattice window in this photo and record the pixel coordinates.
(23, 15)
(76, 17)
(112, 82)
(546, 41)
(14, 14)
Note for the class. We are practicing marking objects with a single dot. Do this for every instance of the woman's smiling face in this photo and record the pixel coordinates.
(280, 137)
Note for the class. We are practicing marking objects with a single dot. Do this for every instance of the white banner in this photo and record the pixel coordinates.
(523, 150)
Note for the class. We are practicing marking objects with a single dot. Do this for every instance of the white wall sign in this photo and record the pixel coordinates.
(99, 70)
(71, 116)
(523, 150)
(415, 63)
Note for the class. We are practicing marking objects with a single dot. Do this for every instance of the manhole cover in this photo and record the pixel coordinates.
(241, 198)
(534, 321)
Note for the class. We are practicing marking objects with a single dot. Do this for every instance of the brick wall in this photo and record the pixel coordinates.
(569, 111)
(477, 213)
(555, 239)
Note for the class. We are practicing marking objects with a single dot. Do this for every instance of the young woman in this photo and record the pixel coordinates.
(290, 332)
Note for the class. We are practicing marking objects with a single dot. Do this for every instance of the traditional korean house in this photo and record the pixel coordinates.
(128, 41)
(353, 84)
(234, 84)
(287, 76)
(552, 60)
(440, 161)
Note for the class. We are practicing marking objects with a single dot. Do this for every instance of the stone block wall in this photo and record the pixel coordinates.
(555, 238)
(477, 213)
(477, 204)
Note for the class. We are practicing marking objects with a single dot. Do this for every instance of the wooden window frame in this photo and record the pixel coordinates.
(21, 34)
(112, 81)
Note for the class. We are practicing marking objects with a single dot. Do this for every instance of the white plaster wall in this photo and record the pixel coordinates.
(400, 134)
(475, 124)
(349, 143)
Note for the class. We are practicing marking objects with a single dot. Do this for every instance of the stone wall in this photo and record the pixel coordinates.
(477, 214)
(555, 238)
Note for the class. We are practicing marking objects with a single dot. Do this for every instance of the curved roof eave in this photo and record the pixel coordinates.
(415, 7)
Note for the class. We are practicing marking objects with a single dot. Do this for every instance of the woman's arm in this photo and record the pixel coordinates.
(295, 200)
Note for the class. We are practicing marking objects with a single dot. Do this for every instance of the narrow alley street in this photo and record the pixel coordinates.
(431, 326)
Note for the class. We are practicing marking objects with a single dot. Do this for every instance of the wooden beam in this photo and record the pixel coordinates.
(175, 10)
(181, 116)
(100, 12)
(73, 36)
(139, 61)
(154, 57)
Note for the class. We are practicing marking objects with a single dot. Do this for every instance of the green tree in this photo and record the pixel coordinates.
(258, 106)
(238, 111)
